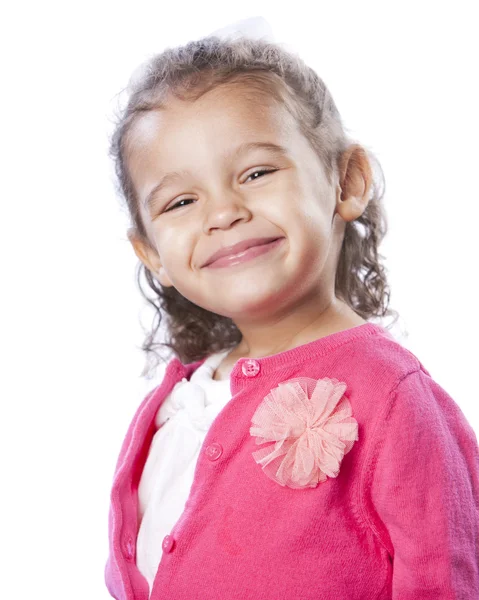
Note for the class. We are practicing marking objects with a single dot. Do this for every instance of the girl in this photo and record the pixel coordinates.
(294, 449)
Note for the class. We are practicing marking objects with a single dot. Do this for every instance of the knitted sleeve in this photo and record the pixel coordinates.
(421, 492)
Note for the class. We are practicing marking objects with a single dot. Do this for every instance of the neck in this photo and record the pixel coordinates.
(300, 326)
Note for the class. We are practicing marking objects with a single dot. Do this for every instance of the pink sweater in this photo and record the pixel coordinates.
(338, 470)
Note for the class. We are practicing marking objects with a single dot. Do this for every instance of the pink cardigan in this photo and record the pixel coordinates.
(398, 520)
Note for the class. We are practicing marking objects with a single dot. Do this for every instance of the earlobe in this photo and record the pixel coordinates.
(162, 277)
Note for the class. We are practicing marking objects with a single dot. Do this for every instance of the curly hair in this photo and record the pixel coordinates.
(187, 72)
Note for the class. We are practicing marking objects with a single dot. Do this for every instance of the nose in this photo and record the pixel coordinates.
(224, 210)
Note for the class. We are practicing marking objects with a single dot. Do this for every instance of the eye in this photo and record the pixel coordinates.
(178, 204)
(258, 172)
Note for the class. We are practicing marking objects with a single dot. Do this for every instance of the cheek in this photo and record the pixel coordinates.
(174, 247)
(309, 234)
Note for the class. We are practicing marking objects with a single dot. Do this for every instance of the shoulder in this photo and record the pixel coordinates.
(406, 386)
(385, 357)
(421, 402)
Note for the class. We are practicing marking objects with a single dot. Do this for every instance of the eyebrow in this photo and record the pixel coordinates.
(273, 149)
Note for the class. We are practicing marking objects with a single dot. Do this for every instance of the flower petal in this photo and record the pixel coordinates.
(325, 397)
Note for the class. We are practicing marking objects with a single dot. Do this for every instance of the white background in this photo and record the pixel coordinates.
(404, 77)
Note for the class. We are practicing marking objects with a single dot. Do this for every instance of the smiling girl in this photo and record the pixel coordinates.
(294, 449)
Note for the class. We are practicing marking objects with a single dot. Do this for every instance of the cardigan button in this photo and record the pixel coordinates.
(214, 451)
(250, 367)
(167, 544)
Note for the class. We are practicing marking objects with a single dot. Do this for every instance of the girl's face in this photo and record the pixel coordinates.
(214, 200)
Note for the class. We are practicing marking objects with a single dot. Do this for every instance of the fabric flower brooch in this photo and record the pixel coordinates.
(311, 424)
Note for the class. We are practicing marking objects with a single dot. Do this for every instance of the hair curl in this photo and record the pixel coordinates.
(189, 71)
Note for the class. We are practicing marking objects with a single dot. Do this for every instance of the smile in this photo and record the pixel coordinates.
(245, 256)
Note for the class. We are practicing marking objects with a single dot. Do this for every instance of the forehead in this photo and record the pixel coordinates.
(223, 117)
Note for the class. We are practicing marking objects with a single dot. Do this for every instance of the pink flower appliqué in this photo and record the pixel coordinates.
(312, 431)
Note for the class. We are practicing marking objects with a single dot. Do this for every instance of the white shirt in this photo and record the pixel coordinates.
(183, 420)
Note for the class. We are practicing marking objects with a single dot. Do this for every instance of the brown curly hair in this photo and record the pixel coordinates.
(189, 71)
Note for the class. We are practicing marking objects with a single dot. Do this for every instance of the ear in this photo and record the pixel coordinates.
(355, 178)
(149, 257)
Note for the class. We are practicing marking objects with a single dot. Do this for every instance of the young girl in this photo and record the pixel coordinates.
(294, 449)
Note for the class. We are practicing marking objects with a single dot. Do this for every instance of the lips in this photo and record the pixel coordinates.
(239, 247)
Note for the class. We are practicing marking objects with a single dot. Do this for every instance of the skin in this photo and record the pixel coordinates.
(280, 301)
